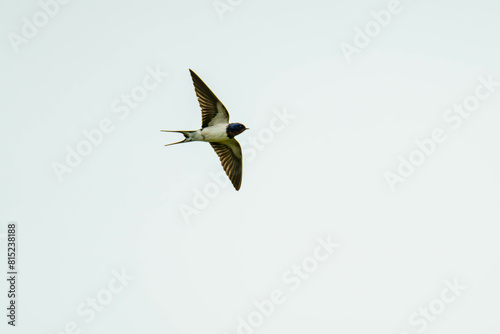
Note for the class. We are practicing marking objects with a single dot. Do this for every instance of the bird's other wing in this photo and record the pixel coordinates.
(212, 110)
(229, 152)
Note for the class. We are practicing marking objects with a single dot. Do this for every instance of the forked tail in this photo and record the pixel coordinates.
(187, 136)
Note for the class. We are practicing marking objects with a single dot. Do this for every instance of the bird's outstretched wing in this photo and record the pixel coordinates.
(230, 156)
(212, 110)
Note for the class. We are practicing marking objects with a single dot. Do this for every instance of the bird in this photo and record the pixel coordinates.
(217, 131)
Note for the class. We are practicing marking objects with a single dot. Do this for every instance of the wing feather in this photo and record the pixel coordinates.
(212, 109)
(230, 156)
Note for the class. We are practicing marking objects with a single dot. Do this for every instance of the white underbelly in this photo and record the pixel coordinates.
(216, 133)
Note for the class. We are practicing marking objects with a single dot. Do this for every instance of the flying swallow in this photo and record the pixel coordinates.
(216, 130)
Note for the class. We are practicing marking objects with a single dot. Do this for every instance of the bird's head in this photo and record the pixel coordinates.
(235, 129)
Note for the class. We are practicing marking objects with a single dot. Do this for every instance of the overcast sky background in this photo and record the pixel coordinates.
(321, 175)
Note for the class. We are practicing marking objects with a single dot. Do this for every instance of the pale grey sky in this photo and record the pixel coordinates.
(388, 150)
